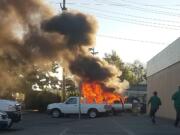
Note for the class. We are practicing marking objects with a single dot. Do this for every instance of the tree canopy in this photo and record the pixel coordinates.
(133, 72)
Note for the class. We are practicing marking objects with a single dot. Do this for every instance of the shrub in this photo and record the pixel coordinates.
(40, 100)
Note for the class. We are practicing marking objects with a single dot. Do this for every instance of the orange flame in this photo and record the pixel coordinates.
(94, 93)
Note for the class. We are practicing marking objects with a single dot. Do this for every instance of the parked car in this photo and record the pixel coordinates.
(12, 109)
(72, 106)
(5, 121)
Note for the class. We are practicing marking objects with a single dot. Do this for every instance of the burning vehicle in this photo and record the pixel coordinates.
(32, 34)
(95, 100)
(75, 105)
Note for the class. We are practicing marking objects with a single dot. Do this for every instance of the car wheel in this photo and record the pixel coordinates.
(10, 124)
(92, 113)
(56, 113)
(114, 112)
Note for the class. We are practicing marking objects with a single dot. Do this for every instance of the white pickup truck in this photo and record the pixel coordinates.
(71, 106)
(12, 109)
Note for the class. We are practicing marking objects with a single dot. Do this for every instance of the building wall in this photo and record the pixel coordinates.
(165, 82)
(163, 76)
(169, 56)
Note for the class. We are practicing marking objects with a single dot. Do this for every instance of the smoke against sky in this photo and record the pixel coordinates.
(79, 29)
(120, 24)
(31, 34)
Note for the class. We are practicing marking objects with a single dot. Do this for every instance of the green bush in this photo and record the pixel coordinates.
(39, 100)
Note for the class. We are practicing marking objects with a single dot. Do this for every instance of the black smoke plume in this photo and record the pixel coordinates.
(90, 69)
(31, 34)
(78, 29)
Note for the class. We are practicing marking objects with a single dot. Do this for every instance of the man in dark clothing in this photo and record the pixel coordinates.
(176, 98)
(155, 103)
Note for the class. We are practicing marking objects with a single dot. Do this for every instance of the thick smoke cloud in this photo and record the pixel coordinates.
(30, 33)
(18, 18)
(91, 69)
(78, 29)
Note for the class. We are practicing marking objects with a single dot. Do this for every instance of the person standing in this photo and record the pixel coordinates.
(155, 102)
(176, 98)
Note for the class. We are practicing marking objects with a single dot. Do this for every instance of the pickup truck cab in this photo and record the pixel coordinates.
(12, 109)
(72, 106)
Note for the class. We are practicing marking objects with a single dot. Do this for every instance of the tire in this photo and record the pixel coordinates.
(93, 113)
(10, 125)
(56, 113)
(114, 112)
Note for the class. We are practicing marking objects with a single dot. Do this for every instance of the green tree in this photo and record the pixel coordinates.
(114, 59)
(128, 74)
(41, 88)
(134, 73)
(139, 71)
(71, 89)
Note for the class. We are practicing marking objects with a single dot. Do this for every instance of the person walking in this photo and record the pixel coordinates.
(155, 102)
(176, 98)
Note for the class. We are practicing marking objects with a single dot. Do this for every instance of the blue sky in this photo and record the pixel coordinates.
(135, 29)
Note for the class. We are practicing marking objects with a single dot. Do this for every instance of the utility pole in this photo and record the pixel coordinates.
(80, 88)
(64, 85)
(63, 6)
(93, 52)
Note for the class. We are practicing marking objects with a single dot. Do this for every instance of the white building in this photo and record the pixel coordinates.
(163, 76)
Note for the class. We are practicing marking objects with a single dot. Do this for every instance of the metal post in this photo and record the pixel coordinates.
(64, 3)
(63, 6)
(93, 52)
(80, 100)
(64, 86)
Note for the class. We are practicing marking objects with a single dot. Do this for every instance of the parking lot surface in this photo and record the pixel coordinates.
(124, 124)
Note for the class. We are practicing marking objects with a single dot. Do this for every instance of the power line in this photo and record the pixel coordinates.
(122, 14)
(134, 7)
(104, 2)
(131, 16)
(131, 7)
(129, 39)
(169, 5)
(134, 21)
(128, 6)
(148, 5)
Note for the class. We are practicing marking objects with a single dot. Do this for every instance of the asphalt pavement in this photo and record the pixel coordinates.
(124, 124)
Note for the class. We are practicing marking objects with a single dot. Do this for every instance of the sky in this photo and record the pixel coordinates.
(135, 29)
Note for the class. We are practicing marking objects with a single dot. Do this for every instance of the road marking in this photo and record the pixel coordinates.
(64, 131)
(129, 132)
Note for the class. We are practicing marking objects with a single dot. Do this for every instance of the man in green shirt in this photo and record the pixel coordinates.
(176, 98)
(155, 102)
